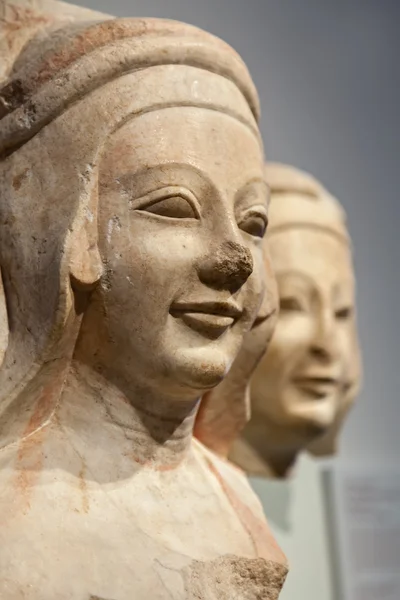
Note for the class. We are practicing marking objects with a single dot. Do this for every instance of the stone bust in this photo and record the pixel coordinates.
(300, 390)
(133, 207)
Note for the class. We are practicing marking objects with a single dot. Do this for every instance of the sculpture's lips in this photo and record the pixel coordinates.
(221, 309)
(317, 386)
(211, 319)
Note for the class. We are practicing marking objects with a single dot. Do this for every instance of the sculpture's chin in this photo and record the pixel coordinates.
(202, 369)
(312, 418)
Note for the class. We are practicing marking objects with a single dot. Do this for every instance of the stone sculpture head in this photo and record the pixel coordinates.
(134, 205)
(316, 337)
(306, 382)
(328, 444)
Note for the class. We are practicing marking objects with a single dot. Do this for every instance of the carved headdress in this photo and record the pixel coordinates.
(319, 208)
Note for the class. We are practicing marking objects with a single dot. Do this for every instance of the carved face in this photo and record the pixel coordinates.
(182, 213)
(327, 444)
(300, 380)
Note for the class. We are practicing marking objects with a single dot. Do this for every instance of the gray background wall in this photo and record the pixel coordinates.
(328, 76)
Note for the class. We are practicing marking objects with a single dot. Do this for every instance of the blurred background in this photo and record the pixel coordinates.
(327, 72)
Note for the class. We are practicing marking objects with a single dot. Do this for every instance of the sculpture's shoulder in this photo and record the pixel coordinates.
(82, 525)
(246, 504)
(230, 476)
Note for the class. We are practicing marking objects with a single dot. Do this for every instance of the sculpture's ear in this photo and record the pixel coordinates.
(86, 266)
(3, 322)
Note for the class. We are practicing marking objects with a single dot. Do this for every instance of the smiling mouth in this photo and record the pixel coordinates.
(316, 387)
(210, 319)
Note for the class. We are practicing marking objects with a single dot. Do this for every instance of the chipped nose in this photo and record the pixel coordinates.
(227, 268)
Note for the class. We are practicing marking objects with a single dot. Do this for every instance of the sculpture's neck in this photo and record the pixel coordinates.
(154, 430)
(158, 430)
(276, 451)
(223, 414)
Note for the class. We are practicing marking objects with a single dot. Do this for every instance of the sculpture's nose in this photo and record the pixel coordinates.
(228, 267)
(324, 345)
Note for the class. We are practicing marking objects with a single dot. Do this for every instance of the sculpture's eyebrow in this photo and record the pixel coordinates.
(295, 274)
(163, 173)
(305, 278)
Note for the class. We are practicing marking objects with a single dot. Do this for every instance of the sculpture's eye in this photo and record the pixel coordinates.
(343, 314)
(290, 303)
(170, 203)
(255, 223)
(175, 207)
